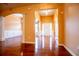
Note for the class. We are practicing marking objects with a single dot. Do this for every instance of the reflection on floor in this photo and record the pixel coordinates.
(28, 50)
(13, 47)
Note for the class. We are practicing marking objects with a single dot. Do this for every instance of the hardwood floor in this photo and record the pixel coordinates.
(11, 46)
(29, 50)
(14, 47)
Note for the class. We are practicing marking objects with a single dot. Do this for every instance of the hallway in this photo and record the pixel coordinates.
(46, 29)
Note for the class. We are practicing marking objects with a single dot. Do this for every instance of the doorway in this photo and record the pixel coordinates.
(47, 35)
(13, 33)
(46, 29)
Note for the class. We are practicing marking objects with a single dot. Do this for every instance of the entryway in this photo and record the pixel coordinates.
(13, 33)
(46, 30)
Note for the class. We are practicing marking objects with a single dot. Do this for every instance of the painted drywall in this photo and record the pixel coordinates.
(29, 19)
(12, 26)
(72, 27)
(48, 19)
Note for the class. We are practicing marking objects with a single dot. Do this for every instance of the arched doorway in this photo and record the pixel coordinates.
(13, 33)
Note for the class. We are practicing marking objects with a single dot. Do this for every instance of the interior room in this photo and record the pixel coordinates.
(39, 29)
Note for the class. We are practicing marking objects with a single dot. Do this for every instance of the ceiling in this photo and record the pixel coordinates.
(4, 6)
(47, 12)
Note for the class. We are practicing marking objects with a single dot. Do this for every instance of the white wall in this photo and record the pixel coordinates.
(12, 26)
(12, 33)
(72, 27)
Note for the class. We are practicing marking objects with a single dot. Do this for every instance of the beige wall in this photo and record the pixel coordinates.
(29, 31)
(47, 18)
(72, 27)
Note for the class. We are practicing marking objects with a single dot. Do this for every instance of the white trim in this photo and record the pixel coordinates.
(68, 49)
(3, 38)
(23, 28)
(29, 42)
(2, 28)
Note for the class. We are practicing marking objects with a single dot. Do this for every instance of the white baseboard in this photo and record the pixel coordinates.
(68, 49)
(29, 42)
